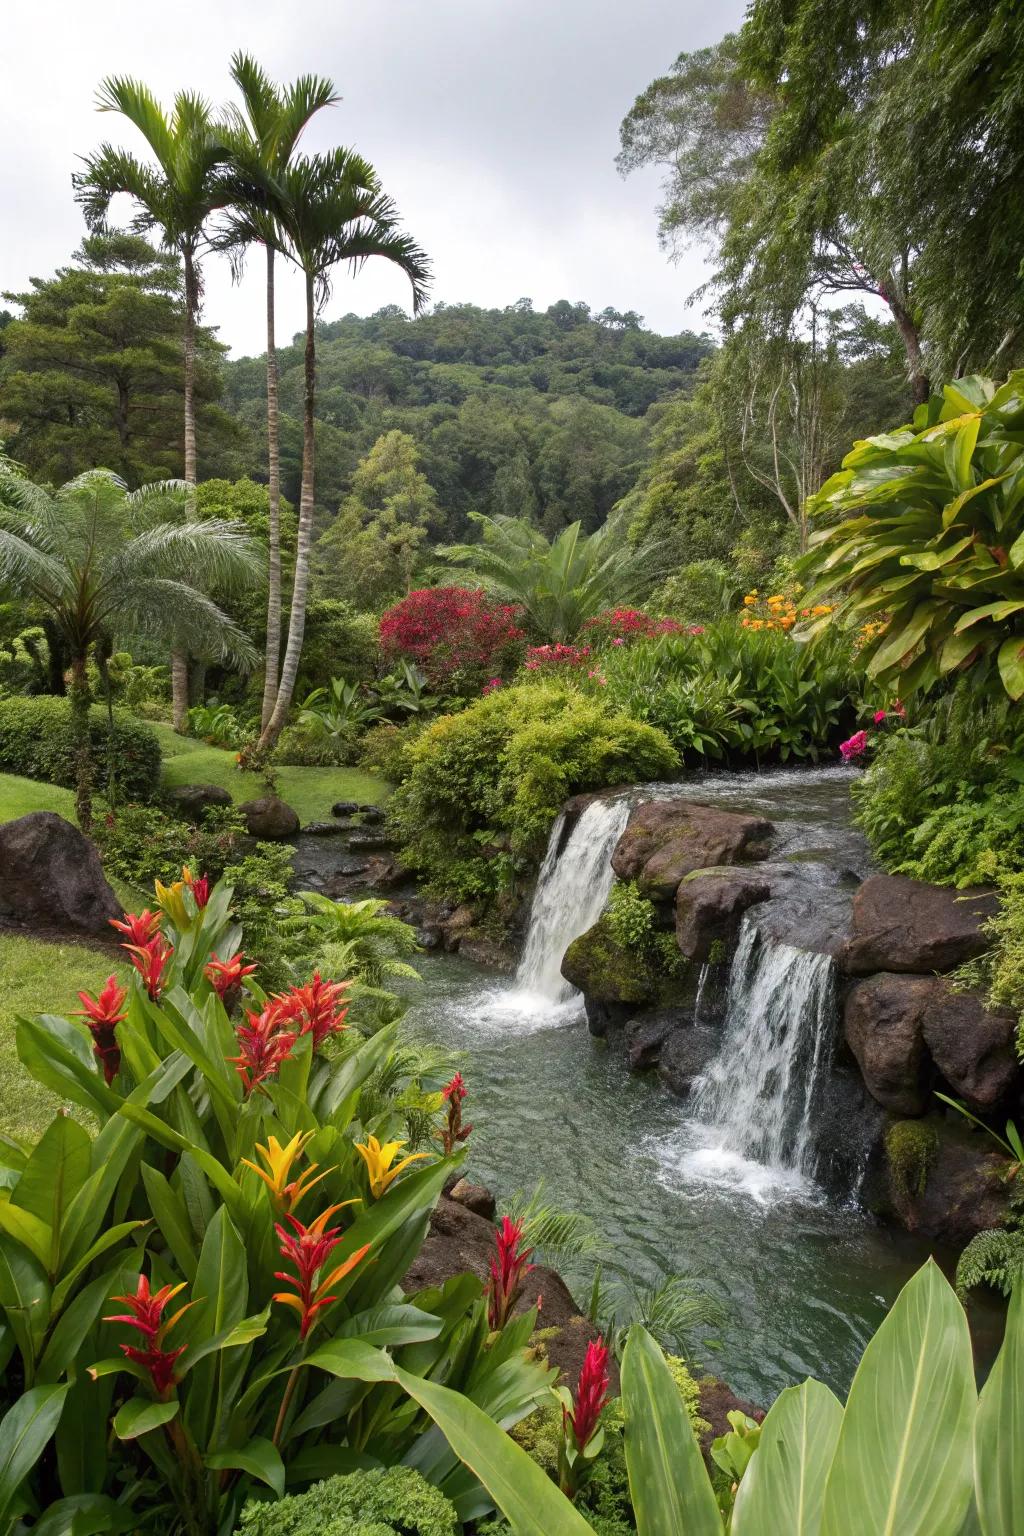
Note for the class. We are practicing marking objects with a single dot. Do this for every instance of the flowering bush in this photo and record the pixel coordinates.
(617, 626)
(552, 657)
(859, 744)
(457, 635)
(779, 611)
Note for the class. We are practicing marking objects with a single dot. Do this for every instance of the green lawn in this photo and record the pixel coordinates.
(39, 977)
(19, 796)
(312, 791)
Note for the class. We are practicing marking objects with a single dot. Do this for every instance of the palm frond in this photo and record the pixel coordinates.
(215, 551)
(174, 612)
(551, 1229)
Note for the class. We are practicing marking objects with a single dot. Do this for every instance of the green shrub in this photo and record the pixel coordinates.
(487, 784)
(632, 920)
(298, 747)
(698, 593)
(25, 662)
(1001, 969)
(385, 749)
(375, 1503)
(142, 843)
(910, 1148)
(337, 641)
(36, 741)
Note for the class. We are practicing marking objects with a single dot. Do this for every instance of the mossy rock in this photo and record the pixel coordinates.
(910, 1148)
(606, 971)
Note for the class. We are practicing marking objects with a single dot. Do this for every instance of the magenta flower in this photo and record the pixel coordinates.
(855, 747)
(880, 717)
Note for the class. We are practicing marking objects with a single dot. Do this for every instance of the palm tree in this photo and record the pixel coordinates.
(332, 211)
(262, 142)
(175, 194)
(561, 584)
(100, 561)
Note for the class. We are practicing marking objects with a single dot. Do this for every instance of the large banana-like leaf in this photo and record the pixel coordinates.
(783, 1488)
(525, 1494)
(24, 1433)
(999, 1434)
(668, 1482)
(903, 1462)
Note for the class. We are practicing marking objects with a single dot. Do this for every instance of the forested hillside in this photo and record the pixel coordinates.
(512, 410)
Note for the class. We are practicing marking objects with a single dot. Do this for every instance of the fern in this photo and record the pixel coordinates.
(549, 1228)
(994, 1258)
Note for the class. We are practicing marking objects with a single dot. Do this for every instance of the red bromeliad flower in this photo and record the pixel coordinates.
(316, 1009)
(146, 1312)
(199, 887)
(591, 1394)
(103, 1014)
(264, 1042)
(454, 1131)
(309, 1248)
(139, 928)
(150, 960)
(509, 1268)
(227, 976)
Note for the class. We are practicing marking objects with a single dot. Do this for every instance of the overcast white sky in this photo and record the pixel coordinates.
(493, 123)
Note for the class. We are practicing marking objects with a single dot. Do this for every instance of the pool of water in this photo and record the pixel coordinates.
(803, 1281)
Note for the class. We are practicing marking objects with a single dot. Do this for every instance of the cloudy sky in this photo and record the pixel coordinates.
(493, 123)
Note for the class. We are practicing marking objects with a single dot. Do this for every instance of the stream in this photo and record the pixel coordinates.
(719, 1188)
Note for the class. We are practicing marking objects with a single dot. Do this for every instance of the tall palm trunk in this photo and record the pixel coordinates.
(274, 499)
(297, 617)
(179, 658)
(83, 745)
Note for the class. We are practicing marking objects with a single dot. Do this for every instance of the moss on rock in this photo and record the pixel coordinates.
(608, 971)
(910, 1150)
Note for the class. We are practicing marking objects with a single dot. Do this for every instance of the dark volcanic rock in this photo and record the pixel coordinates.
(51, 875)
(883, 1021)
(371, 814)
(972, 1048)
(965, 1189)
(684, 1056)
(710, 904)
(475, 1197)
(324, 829)
(666, 840)
(848, 1131)
(647, 1033)
(907, 925)
(194, 799)
(269, 818)
(605, 971)
(370, 842)
(344, 808)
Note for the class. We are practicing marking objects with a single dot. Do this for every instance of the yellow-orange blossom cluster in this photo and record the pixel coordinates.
(778, 612)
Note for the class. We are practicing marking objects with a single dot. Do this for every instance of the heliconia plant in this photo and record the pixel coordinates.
(198, 1297)
(582, 1436)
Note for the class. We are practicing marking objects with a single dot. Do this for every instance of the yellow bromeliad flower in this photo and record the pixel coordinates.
(378, 1160)
(171, 899)
(286, 1192)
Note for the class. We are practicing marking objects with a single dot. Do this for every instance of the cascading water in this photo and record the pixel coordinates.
(757, 1097)
(572, 889)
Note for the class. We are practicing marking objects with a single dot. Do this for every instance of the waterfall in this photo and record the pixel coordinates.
(757, 1096)
(572, 888)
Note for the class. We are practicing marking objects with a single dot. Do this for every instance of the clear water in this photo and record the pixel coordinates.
(695, 1189)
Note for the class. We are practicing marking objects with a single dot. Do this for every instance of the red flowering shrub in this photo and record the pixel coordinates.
(620, 625)
(551, 657)
(459, 637)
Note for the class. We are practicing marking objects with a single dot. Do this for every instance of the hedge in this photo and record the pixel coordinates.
(36, 741)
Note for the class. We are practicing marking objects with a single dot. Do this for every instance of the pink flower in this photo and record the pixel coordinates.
(618, 640)
(880, 717)
(855, 747)
(509, 1268)
(591, 1394)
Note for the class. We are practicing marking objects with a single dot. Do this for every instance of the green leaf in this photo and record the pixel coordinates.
(25, 1431)
(27, 1230)
(221, 1289)
(140, 1414)
(668, 1482)
(108, 1239)
(903, 1462)
(352, 1359)
(997, 611)
(391, 1326)
(172, 1218)
(999, 1433)
(783, 1488)
(260, 1458)
(899, 645)
(1011, 666)
(526, 1496)
(55, 1172)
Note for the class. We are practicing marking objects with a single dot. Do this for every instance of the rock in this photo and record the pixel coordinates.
(972, 1047)
(269, 818)
(485, 951)
(666, 840)
(371, 815)
(461, 1241)
(428, 938)
(324, 829)
(456, 925)
(848, 1131)
(606, 972)
(684, 1056)
(344, 808)
(370, 842)
(710, 904)
(883, 1022)
(194, 799)
(717, 1401)
(647, 1033)
(475, 1197)
(50, 875)
(950, 1184)
(907, 925)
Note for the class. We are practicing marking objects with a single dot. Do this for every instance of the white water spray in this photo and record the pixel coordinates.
(572, 888)
(757, 1098)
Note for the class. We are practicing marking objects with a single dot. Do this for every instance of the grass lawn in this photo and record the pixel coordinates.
(39, 977)
(312, 791)
(19, 796)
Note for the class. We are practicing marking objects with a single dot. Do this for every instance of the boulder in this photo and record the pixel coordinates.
(684, 1056)
(269, 818)
(475, 1197)
(371, 814)
(647, 1033)
(51, 876)
(370, 842)
(666, 840)
(883, 1022)
(606, 972)
(193, 799)
(461, 1241)
(972, 1047)
(710, 904)
(454, 927)
(945, 1181)
(908, 925)
(324, 829)
(483, 950)
(344, 808)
